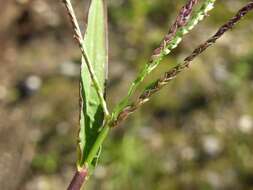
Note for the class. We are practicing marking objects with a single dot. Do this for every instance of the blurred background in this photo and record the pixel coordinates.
(195, 134)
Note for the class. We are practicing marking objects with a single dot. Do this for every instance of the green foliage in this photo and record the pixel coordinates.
(92, 116)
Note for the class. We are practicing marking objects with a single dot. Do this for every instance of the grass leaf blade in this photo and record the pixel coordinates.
(92, 115)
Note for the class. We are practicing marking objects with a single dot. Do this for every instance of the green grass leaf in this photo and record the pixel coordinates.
(91, 115)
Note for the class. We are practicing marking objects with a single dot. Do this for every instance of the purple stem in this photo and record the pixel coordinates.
(78, 179)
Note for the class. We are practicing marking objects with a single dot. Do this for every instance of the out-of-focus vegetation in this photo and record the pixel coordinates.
(195, 134)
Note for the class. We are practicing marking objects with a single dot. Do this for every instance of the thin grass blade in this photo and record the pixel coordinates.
(92, 114)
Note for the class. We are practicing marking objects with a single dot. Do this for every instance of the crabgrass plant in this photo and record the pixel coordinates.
(96, 120)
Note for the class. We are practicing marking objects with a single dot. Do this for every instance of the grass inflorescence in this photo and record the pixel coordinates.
(184, 23)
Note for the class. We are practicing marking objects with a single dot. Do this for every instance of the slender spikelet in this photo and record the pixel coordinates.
(181, 20)
(171, 74)
(75, 26)
(181, 27)
(224, 28)
(183, 24)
